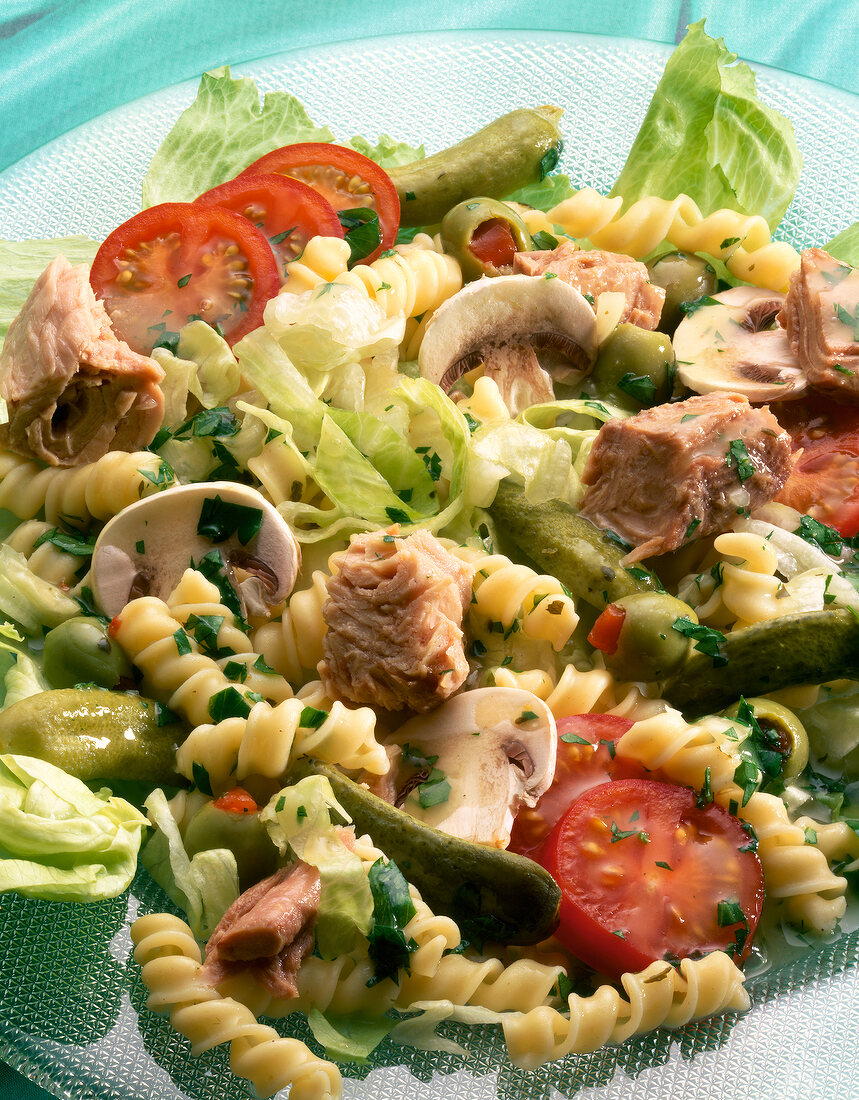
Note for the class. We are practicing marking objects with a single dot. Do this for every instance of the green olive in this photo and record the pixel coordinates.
(243, 834)
(685, 278)
(791, 740)
(469, 220)
(79, 651)
(634, 368)
(648, 646)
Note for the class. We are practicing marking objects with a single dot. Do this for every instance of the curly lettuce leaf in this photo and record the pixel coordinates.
(22, 262)
(706, 134)
(845, 245)
(223, 131)
(59, 841)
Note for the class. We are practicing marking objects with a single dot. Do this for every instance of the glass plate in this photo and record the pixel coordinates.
(70, 998)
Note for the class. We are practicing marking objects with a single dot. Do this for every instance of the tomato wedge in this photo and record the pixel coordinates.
(824, 479)
(287, 211)
(585, 759)
(179, 262)
(646, 873)
(348, 180)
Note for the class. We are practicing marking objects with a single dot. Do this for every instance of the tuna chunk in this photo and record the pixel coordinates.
(73, 390)
(593, 273)
(681, 471)
(821, 315)
(394, 614)
(268, 929)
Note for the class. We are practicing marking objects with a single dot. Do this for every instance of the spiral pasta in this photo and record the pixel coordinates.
(597, 692)
(743, 242)
(45, 560)
(509, 597)
(408, 280)
(293, 644)
(171, 965)
(79, 494)
(659, 996)
(267, 741)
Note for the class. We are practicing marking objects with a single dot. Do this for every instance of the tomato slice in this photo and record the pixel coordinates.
(605, 633)
(492, 243)
(348, 180)
(179, 262)
(287, 211)
(236, 801)
(585, 759)
(824, 479)
(646, 873)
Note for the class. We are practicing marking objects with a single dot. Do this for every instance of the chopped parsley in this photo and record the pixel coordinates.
(363, 233)
(737, 456)
(220, 519)
(434, 790)
(641, 387)
(228, 703)
(311, 718)
(393, 908)
(70, 542)
(707, 639)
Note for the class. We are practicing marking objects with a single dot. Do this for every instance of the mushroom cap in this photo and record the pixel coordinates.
(506, 311)
(724, 346)
(496, 747)
(147, 547)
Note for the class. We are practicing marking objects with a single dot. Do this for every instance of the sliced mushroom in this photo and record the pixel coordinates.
(503, 323)
(148, 546)
(734, 345)
(494, 748)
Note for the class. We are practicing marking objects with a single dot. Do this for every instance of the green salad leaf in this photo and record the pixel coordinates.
(20, 675)
(59, 841)
(706, 134)
(845, 245)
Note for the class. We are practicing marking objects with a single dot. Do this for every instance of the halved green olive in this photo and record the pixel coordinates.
(648, 646)
(242, 833)
(792, 743)
(482, 235)
(634, 368)
(685, 278)
(80, 651)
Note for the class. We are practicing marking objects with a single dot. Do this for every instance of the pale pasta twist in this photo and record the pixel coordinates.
(797, 875)
(46, 560)
(508, 597)
(293, 644)
(408, 280)
(171, 967)
(269, 739)
(659, 996)
(197, 596)
(596, 691)
(742, 241)
(79, 494)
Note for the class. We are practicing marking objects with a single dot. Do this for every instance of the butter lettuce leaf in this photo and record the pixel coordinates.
(706, 134)
(845, 246)
(223, 131)
(60, 841)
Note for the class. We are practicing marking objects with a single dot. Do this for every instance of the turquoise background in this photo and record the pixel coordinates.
(63, 62)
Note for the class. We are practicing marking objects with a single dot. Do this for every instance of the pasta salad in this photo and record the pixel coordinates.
(374, 400)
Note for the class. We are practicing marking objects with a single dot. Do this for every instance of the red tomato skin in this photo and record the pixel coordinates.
(236, 801)
(290, 160)
(590, 915)
(824, 479)
(492, 243)
(195, 225)
(288, 204)
(605, 633)
(578, 768)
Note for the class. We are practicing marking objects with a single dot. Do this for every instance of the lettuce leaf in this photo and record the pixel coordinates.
(348, 1038)
(706, 134)
(223, 131)
(387, 152)
(204, 886)
(27, 599)
(298, 818)
(845, 246)
(59, 841)
(20, 675)
(22, 262)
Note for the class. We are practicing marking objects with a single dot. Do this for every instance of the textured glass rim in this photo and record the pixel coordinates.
(18, 1058)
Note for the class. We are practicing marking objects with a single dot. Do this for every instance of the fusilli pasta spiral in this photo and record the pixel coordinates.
(45, 560)
(293, 644)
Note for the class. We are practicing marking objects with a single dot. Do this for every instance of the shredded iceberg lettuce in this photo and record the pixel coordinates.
(20, 675)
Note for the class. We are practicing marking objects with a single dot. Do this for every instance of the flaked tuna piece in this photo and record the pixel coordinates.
(681, 471)
(268, 929)
(594, 273)
(821, 315)
(394, 613)
(73, 390)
